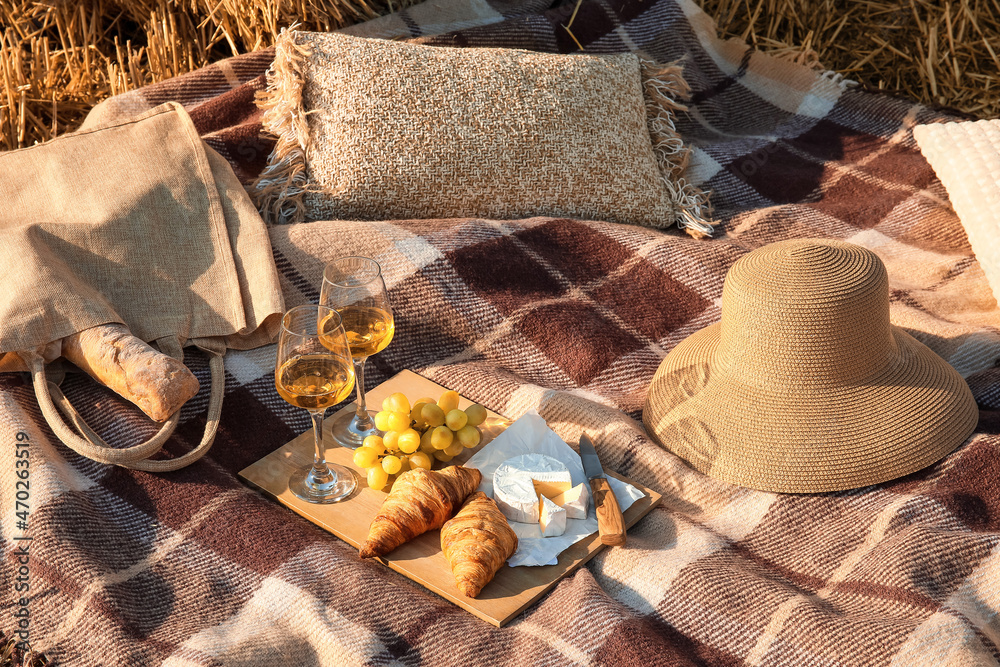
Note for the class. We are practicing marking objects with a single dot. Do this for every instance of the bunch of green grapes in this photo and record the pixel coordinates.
(415, 437)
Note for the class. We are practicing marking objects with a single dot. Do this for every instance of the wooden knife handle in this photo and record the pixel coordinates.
(610, 522)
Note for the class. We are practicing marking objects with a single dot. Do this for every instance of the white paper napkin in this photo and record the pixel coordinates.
(531, 435)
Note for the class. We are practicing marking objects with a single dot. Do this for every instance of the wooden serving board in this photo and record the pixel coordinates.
(512, 589)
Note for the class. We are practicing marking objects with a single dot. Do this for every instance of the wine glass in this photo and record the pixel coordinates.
(314, 370)
(353, 286)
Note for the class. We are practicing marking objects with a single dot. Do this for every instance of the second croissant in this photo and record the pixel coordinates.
(477, 542)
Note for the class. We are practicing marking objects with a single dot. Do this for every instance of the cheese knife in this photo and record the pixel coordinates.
(610, 522)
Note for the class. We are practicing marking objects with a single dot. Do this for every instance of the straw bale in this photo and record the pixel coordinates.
(943, 53)
(13, 655)
(59, 58)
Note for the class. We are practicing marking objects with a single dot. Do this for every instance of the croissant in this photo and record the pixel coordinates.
(420, 500)
(477, 542)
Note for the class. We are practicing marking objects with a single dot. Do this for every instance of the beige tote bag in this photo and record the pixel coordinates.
(137, 223)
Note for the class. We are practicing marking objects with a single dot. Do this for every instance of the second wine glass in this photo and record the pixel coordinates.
(353, 286)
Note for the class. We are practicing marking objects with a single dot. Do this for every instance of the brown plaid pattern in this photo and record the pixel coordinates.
(572, 318)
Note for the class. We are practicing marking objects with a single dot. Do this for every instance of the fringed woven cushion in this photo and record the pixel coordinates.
(370, 129)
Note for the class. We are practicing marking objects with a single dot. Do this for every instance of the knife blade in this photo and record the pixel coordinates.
(610, 522)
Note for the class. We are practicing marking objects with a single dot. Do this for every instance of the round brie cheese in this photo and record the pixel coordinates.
(518, 482)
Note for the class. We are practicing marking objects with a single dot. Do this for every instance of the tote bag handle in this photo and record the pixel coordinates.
(87, 443)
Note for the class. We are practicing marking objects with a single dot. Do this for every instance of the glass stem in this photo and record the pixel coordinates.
(362, 420)
(320, 471)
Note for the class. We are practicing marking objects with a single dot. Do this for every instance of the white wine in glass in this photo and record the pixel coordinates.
(314, 370)
(353, 286)
(369, 329)
(311, 381)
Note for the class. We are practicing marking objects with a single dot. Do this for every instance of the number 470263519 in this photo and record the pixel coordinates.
(22, 472)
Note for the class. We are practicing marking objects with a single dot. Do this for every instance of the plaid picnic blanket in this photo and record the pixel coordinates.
(570, 318)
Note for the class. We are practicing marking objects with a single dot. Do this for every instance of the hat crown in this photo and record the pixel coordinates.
(806, 312)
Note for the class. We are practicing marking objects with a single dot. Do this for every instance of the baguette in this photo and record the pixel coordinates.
(156, 383)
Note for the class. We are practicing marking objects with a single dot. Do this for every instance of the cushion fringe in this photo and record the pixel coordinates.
(278, 191)
(664, 87)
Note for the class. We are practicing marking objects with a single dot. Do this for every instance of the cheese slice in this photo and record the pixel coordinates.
(551, 518)
(576, 501)
(551, 488)
(516, 479)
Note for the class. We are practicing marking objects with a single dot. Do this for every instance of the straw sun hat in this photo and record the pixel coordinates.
(805, 386)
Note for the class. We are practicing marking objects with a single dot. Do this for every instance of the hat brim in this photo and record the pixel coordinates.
(801, 439)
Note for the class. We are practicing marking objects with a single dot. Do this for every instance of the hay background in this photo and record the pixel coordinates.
(940, 52)
(60, 58)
